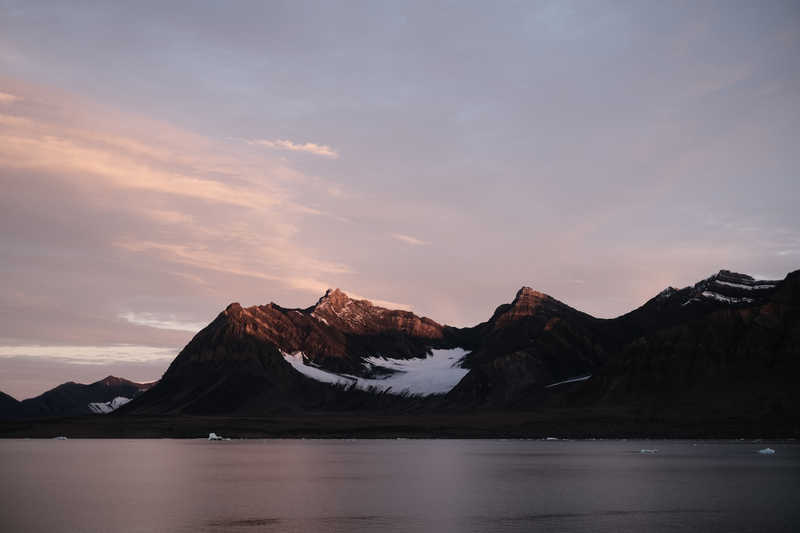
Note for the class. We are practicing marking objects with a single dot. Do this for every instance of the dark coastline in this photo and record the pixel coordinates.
(562, 423)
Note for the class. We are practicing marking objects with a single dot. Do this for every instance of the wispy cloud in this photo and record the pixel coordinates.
(155, 227)
(309, 147)
(8, 98)
(160, 321)
(91, 355)
(408, 239)
(87, 159)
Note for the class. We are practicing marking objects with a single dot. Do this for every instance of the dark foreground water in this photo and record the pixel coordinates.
(397, 485)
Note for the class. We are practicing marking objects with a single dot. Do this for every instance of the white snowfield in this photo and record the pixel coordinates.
(436, 374)
(102, 408)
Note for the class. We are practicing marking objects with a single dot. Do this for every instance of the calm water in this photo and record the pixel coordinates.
(397, 485)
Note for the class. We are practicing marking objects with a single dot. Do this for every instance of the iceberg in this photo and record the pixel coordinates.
(766, 451)
(60, 438)
(646, 450)
(214, 436)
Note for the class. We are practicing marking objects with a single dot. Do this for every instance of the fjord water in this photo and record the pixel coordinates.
(397, 485)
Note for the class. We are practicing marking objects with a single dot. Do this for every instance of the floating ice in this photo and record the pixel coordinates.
(60, 438)
(645, 450)
(766, 451)
(214, 436)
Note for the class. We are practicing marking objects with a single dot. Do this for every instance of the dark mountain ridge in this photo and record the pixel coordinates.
(740, 359)
(72, 399)
(514, 360)
(726, 346)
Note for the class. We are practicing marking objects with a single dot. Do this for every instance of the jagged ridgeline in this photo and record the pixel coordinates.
(343, 353)
(726, 346)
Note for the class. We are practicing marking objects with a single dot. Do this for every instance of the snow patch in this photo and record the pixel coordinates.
(755, 286)
(570, 380)
(666, 293)
(709, 295)
(435, 374)
(725, 299)
(102, 408)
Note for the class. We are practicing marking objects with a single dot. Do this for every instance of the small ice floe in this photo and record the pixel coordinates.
(646, 450)
(214, 436)
(766, 451)
(62, 437)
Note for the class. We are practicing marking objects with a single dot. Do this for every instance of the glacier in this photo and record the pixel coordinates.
(436, 374)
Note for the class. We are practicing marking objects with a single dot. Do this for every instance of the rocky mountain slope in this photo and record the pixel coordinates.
(526, 345)
(9, 406)
(261, 358)
(537, 342)
(740, 359)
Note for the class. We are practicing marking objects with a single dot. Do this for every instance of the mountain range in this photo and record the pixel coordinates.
(726, 347)
(74, 399)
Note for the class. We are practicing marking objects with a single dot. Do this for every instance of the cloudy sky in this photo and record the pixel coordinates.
(159, 160)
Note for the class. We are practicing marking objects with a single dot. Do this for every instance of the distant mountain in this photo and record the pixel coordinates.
(73, 399)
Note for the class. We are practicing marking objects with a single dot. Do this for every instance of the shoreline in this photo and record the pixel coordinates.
(561, 424)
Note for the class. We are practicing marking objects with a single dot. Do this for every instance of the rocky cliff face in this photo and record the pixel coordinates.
(360, 317)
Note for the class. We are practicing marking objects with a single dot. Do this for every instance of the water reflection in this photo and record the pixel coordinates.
(395, 485)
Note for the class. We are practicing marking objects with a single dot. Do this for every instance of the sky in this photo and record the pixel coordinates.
(161, 160)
